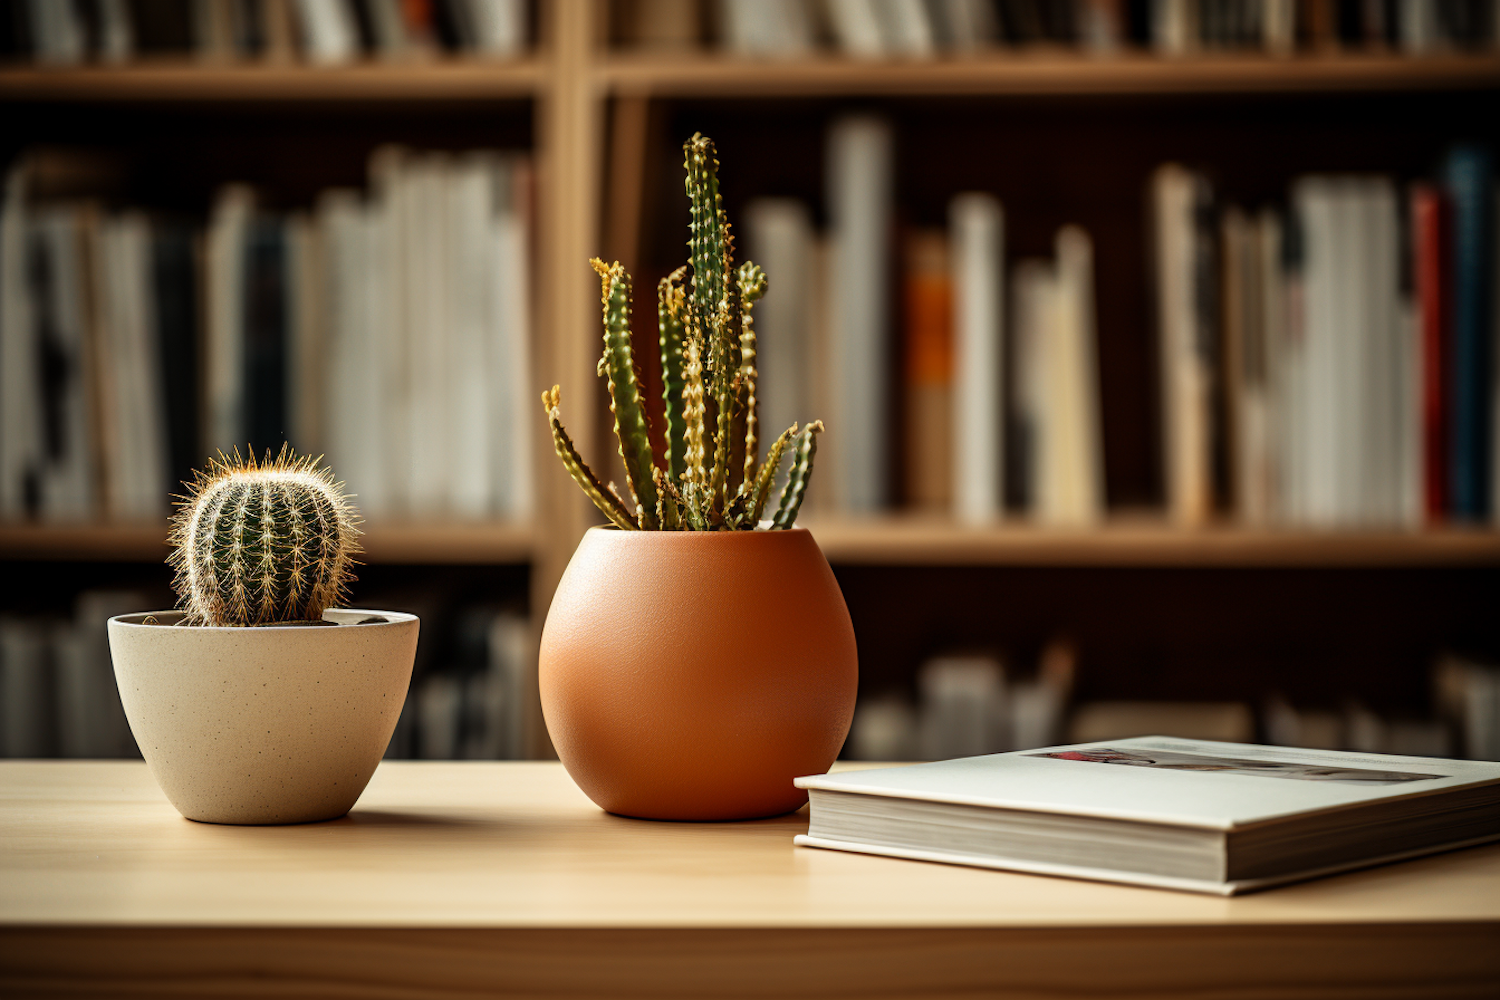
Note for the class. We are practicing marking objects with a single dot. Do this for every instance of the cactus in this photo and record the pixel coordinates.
(261, 543)
(708, 354)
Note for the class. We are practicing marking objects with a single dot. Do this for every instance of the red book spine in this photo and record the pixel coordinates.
(1433, 272)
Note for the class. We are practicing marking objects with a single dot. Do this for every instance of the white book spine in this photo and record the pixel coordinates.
(908, 28)
(857, 26)
(977, 222)
(500, 26)
(1183, 375)
(1321, 401)
(329, 35)
(860, 197)
(1079, 495)
(354, 384)
(475, 443)
(779, 238)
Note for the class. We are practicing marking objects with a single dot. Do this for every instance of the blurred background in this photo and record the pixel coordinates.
(1157, 340)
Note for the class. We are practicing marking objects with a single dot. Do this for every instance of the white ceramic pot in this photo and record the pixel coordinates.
(272, 724)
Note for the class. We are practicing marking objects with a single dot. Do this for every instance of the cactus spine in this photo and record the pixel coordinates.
(708, 357)
(259, 543)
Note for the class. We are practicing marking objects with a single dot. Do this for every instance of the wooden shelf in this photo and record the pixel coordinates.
(194, 82)
(438, 543)
(1036, 73)
(711, 74)
(919, 542)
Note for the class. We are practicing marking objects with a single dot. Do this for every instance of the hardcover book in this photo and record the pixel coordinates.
(1194, 815)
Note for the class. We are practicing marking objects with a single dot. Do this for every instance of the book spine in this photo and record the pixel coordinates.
(1470, 181)
(265, 345)
(977, 224)
(860, 197)
(928, 371)
(174, 287)
(780, 239)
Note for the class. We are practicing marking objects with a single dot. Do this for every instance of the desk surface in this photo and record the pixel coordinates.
(94, 849)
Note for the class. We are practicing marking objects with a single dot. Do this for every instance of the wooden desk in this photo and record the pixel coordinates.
(466, 880)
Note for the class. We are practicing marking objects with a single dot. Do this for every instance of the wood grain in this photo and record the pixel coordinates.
(502, 879)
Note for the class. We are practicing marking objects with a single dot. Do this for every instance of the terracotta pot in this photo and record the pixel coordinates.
(693, 675)
(276, 724)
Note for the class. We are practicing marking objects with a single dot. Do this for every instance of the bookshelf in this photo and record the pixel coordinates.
(589, 109)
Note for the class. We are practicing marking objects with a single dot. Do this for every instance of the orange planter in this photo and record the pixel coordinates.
(693, 675)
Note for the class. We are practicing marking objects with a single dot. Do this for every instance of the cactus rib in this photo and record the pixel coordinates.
(670, 303)
(752, 286)
(798, 476)
(631, 426)
(603, 498)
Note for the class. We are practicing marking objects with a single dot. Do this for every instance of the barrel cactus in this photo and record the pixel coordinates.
(707, 341)
(262, 543)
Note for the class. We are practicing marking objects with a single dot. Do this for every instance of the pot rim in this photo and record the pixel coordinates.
(134, 620)
(791, 532)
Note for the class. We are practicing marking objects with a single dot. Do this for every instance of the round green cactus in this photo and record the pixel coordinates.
(261, 543)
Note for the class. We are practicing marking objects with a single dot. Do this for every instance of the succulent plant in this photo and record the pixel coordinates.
(707, 340)
(260, 543)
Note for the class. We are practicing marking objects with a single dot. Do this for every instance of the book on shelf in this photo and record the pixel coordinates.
(861, 202)
(1313, 370)
(928, 370)
(976, 223)
(1193, 815)
(925, 29)
(389, 333)
(319, 32)
(58, 696)
(472, 706)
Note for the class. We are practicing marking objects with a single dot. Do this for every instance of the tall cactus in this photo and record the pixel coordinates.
(709, 376)
(260, 543)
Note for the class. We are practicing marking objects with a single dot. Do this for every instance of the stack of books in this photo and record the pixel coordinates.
(322, 32)
(388, 331)
(1330, 364)
(918, 29)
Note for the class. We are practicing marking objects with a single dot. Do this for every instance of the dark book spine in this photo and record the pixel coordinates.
(265, 306)
(1432, 273)
(162, 26)
(1470, 176)
(174, 280)
(16, 43)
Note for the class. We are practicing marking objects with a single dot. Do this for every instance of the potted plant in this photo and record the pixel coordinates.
(256, 701)
(697, 657)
